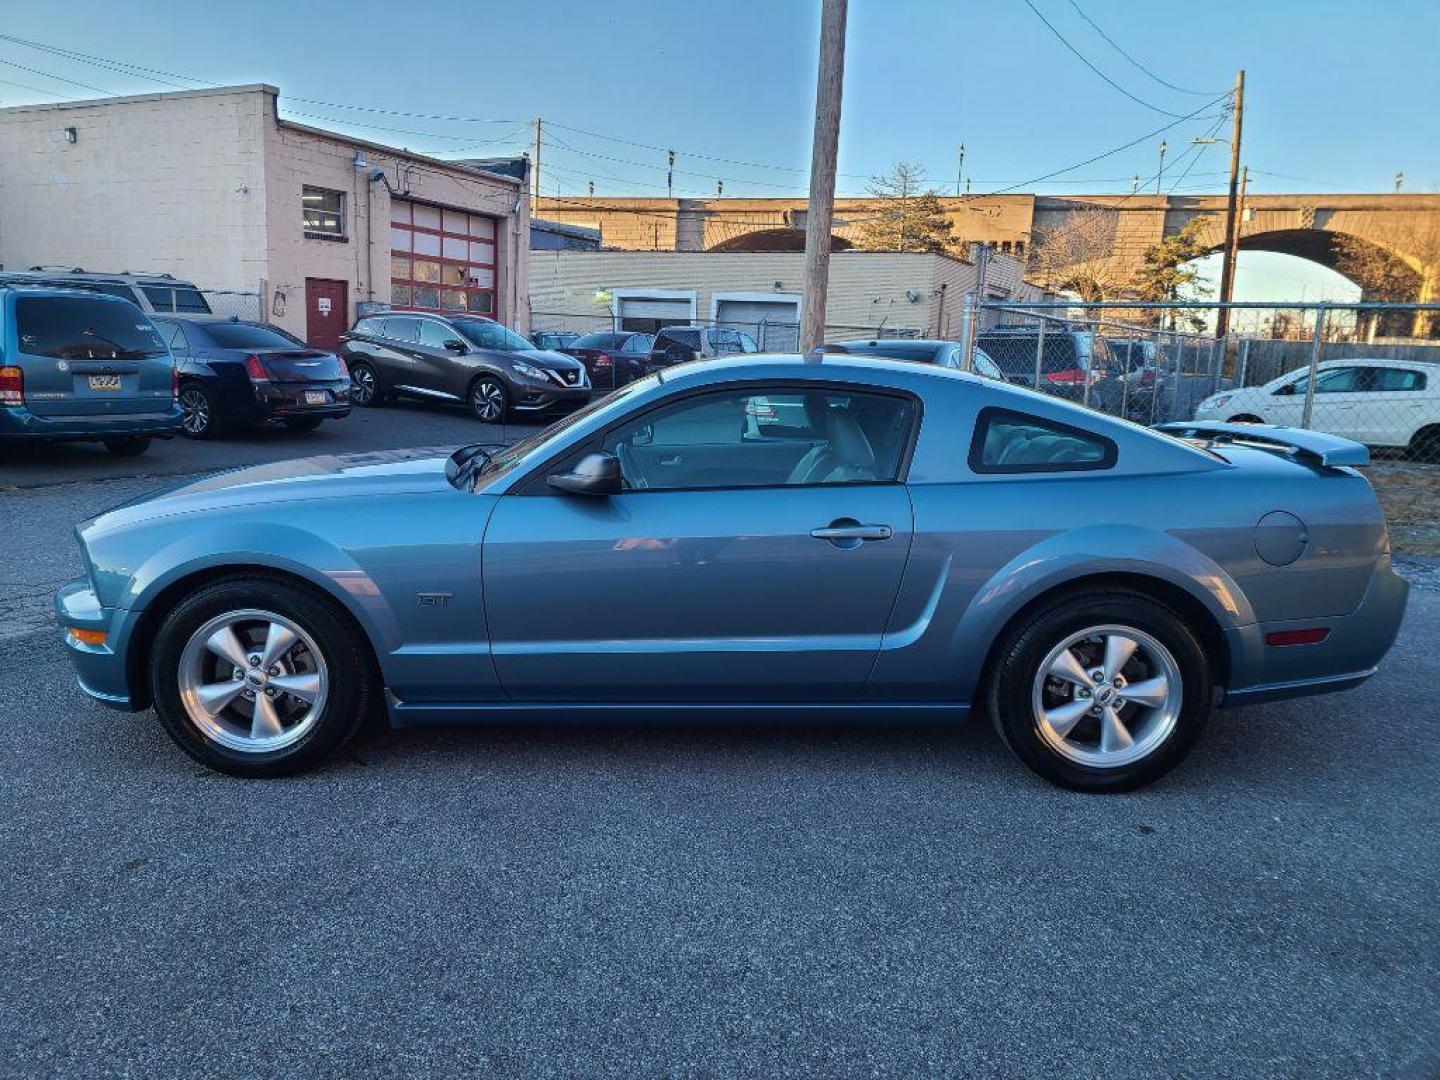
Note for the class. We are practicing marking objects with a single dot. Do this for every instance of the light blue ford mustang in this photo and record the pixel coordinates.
(767, 536)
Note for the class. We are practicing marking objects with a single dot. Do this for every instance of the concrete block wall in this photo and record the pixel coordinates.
(161, 182)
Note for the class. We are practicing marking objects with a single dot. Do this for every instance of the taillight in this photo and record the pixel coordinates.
(174, 381)
(602, 360)
(12, 386)
(344, 367)
(1074, 375)
(255, 369)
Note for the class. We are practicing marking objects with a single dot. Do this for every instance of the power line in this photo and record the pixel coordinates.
(1115, 45)
(1201, 146)
(1082, 58)
(57, 78)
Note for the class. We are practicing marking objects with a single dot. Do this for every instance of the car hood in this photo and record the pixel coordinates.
(330, 476)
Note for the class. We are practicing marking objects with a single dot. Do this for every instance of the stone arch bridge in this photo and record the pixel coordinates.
(1404, 226)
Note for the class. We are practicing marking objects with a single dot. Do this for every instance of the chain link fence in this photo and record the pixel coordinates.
(1368, 372)
(239, 305)
(767, 335)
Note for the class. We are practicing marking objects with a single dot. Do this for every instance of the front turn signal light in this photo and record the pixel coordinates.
(87, 637)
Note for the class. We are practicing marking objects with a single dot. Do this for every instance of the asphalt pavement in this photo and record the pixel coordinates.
(699, 901)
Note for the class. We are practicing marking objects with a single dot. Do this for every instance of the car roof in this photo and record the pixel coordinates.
(124, 277)
(46, 289)
(1376, 361)
(211, 320)
(865, 343)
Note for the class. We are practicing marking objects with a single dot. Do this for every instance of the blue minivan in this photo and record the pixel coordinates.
(83, 366)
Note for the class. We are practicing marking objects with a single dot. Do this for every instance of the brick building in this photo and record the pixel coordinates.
(214, 187)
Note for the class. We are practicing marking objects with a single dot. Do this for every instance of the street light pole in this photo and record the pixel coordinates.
(1232, 211)
(960, 169)
(1160, 171)
(823, 158)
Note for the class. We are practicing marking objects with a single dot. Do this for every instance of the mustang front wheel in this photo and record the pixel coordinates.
(256, 677)
(1105, 690)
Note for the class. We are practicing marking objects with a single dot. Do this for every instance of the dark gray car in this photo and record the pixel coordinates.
(462, 359)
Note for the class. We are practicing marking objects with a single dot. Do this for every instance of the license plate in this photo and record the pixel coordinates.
(104, 382)
(314, 397)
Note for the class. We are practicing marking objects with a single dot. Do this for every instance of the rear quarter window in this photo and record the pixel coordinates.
(78, 328)
(1014, 442)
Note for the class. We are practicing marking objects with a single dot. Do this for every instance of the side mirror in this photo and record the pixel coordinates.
(594, 474)
(455, 345)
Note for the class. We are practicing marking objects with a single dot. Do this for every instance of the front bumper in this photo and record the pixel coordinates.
(1349, 655)
(538, 397)
(99, 669)
(18, 422)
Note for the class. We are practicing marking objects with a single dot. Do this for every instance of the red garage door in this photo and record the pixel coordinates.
(441, 259)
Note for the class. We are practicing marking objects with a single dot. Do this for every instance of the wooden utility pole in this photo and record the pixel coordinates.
(823, 157)
(1234, 248)
(535, 188)
(1232, 211)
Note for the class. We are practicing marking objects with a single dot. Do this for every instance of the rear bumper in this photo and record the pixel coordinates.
(99, 669)
(18, 422)
(278, 401)
(1347, 657)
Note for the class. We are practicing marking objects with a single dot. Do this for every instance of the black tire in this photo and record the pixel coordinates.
(1026, 644)
(304, 423)
(1425, 445)
(129, 446)
(202, 412)
(366, 389)
(352, 695)
(488, 400)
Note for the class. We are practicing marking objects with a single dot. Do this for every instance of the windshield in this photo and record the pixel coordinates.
(491, 335)
(517, 451)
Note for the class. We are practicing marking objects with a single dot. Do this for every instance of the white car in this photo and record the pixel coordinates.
(1390, 403)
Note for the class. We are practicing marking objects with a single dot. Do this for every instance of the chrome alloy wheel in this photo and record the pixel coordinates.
(362, 385)
(488, 400)
(195, 408)
(253, 681)
(1107, 696)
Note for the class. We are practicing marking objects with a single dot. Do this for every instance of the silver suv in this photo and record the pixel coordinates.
(155, 294)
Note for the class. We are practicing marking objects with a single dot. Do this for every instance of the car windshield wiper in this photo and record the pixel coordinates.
(462, 465)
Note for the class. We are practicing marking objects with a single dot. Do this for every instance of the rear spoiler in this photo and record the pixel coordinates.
(1328, 450)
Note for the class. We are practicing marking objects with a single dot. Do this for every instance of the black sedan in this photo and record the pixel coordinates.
(233, 372)
(612, 358)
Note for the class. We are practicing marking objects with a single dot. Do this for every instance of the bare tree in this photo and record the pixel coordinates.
(906, 215)
(1394, 262)
(1079, 255)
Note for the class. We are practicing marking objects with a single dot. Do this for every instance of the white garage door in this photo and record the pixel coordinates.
(642, 314)
(774, 324)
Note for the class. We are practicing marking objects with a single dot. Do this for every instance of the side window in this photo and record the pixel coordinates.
(406, 330)
(1011, 442)
(764, 438)
(1339, 381)
(161, 297)
(433, 335)
(1391, 380)
(370, 327)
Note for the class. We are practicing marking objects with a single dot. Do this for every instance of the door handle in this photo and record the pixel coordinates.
(673, 459)
(852, 530)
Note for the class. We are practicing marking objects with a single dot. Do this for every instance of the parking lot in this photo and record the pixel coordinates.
(700, 901)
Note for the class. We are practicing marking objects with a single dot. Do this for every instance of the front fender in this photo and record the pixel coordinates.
(277, 547)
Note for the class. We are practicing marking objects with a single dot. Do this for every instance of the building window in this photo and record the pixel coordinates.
(441, 259)
(324, 211)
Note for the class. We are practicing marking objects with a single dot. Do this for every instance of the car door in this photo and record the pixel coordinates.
(742, 572)
(437, 369)
(395, 354)
(1338, 392)
(1391, 406)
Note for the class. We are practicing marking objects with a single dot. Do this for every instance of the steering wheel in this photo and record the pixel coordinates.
(629, 469)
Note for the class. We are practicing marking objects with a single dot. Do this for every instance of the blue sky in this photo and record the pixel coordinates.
(1339, 97)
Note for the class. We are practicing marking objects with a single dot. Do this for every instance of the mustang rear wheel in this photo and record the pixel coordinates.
(256, 677)
(1104, 690)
